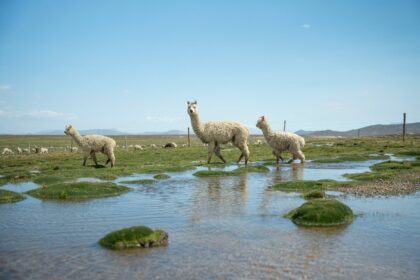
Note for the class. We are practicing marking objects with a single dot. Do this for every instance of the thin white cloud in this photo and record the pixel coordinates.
(5, 87)
(39, 114)
(161, 119)
(306, 25)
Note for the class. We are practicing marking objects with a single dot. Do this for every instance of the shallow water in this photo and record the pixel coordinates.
(223, 227)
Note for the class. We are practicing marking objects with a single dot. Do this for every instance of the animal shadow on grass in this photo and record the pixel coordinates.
(99, 166)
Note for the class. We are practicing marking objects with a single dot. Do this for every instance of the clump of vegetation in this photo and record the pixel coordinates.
(140, 182)
(391, 165)
(321, 212)
(343, 158)
(77, 190)
(314, 195)
(254, 169)
(213, 173)
(134, 237)
(305, 185)
(7, 196)
(161, 176)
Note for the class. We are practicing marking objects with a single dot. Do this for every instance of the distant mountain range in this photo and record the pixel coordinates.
(371, 130)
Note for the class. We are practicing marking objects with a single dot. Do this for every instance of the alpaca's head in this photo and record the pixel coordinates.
(192, 108)
(262, 122)
(69, 130)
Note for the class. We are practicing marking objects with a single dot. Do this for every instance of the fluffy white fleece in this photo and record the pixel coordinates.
(216, 133)
(282, 141)
(91, 144)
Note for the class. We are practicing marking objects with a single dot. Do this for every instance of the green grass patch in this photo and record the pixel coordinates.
(321, 212)
(161, 176)
(77, 190)
(306, 185)
(213, 173)
(344, 158)
(314, 195)
(140, 182)
(253, 169)
(7, 196)
(369, 176)
(134, 237)
(391, 165)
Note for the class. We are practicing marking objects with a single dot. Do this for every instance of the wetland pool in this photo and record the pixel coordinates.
(219, 227)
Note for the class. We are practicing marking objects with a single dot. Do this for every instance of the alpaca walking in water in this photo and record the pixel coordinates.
(216, 133)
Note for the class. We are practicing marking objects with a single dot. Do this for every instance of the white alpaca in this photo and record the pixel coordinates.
(216, 133)
(19, 150)
(26, 151)
(7, 151)
(138, 147)
(170, 145)
(91, 144)
(41, 150)
(282, 141)
(153, 146)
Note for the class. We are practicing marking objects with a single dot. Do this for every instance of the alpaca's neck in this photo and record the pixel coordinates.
(268, 133)
(197, 126)
(77, 138)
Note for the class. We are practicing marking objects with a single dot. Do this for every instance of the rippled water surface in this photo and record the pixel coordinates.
(226, 227)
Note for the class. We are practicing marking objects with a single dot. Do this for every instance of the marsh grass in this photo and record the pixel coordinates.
(7, 196)
(161, 176)
(140, 182)
(307, 185)
(315, 194)
(134, 237)
(60, 166)
(321, 213)
(77, 190)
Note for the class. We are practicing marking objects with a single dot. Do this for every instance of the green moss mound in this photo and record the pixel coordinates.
(321, 213)
(77, 190)
(369, 176)
(161, 176)
(306, 185)
(140, 182)
(213, 173)
(134, 237)
(7, 196)
(254, 169)
(314, 195)
(343, 158)
(391, 165)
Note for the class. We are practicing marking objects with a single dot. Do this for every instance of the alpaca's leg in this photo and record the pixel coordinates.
(112, 159)
(93, 156)
(85, 157)
(300, 156)
(217, 152)
(245, 151)
(211, 148)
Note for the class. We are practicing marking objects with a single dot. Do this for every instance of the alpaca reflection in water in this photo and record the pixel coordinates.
(219, 196)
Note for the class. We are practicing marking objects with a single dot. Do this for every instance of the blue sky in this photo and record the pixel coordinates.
(133, 65)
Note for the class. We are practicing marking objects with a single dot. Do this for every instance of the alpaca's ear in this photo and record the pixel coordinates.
(263, 118)
(188, 102)
(195, 102)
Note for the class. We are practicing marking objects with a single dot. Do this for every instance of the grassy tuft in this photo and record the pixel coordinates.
(314, 195)
(77, 190)
(134, 237)
(7, 196)
(254, 169)
(305, 185)
(140, 182)
(321, 212)
(213, 173)
(161, 176)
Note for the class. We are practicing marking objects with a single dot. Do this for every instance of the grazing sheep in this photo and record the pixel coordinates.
(170, 145)
(138, 147)
(216, 133)
(19, 150)
(7, 151)
(91, 144)
(282, 141)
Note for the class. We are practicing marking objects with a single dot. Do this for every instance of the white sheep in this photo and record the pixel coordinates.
(216, 133)
(282, 141)
(19, 150)
(138, 147)
(7, 151)
(91, 144)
